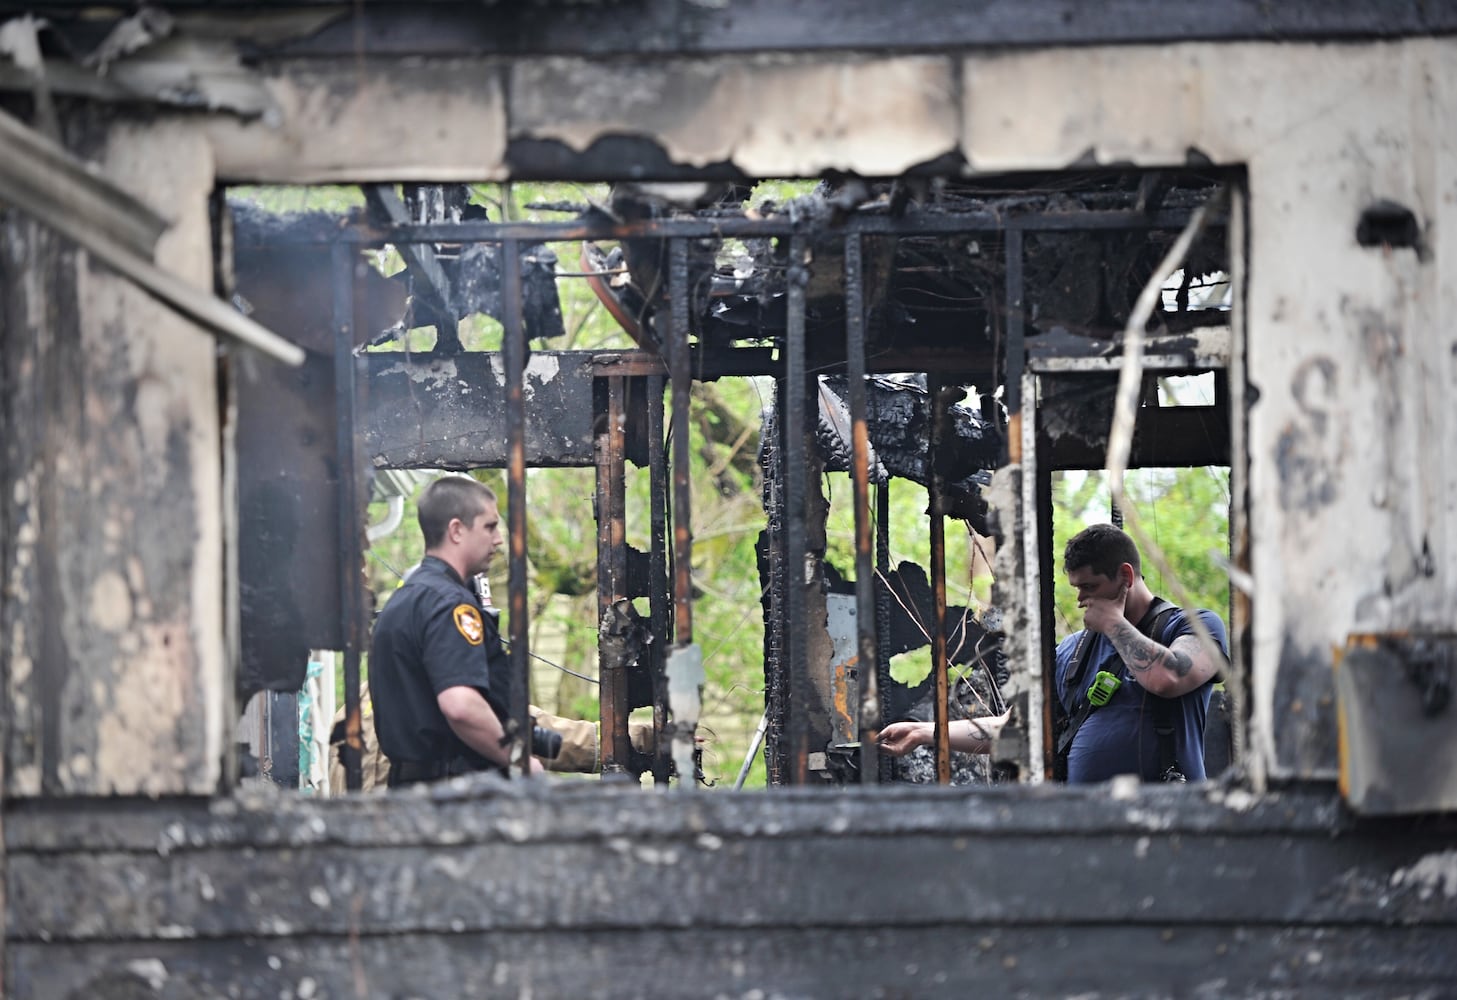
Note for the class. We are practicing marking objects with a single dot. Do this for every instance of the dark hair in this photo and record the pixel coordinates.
(448, 498)
(1102, 548)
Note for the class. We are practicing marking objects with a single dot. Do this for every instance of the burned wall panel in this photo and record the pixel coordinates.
(288, 517)
(117, 636)
(423, 411)
(331, 123)
(1336, 423)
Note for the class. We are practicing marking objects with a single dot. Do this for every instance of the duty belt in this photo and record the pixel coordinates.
(412, 772)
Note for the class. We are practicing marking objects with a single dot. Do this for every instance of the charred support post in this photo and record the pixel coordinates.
(684, 670)
(612, 574)
(1047, 571)
(351, 575)
(678, 358)
(938, 584)
(514, 349)
(797, 488)
(865, 668)
(660, 596)
(1021, 392)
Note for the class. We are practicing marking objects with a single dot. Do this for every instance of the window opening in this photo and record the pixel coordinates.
(957, 336)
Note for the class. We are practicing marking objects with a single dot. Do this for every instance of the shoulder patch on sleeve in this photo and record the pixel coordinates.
(468, 622)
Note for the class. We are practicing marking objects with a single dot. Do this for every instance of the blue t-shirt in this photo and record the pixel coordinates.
(1119, 738)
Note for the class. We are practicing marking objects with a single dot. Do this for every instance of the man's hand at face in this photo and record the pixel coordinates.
(1103, 614)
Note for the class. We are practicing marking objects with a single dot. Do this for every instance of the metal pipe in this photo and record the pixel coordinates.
(514, 349)
(754, 745)
(678, 357)
(792, 427)
(938, 584)
(611, 446)
(351, 569)
(865, 670)
(882, 598)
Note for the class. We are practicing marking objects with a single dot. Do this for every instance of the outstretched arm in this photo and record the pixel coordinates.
(965, 735)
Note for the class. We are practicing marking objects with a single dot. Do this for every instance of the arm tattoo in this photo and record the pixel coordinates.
(1141, 653)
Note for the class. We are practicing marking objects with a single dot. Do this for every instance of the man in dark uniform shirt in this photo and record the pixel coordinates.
(430, 665)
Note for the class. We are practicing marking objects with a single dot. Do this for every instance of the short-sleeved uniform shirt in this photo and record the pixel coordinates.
(1119, 738)
(430, 636)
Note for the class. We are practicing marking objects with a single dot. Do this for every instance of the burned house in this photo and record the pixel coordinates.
(1005, 193)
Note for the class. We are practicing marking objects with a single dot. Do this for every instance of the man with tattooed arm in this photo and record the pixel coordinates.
(1134, 686)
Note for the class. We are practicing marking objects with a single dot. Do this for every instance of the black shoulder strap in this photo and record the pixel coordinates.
(1082, 653)
(1165, 721)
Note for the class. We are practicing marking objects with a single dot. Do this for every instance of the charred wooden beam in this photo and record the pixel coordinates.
(1286, 890)
(1166, 437)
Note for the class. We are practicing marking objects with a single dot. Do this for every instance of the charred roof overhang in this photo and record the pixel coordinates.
(608, 27)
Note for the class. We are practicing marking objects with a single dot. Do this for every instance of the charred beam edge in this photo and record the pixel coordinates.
(46, 182)
(753, 26)
(713, 364)
(612, 584)
(865, 664)
(924, 223)
(1241, 634)
(681, 376)
(942, 708)
(514, 348)
(486, 809)
(660, 598)
(419, 258)
(351, 577)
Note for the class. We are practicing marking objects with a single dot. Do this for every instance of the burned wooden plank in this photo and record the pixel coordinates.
(426, 412)
(663, 26)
